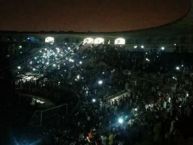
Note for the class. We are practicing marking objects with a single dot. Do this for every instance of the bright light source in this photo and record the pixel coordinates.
(49, 40)
(142, 46)
(169, 99)
(71, 60)
(135, 109)
(58, 50)
(135, 46)
(20, 46)
(162, 48)
(19, 67)
(54, 65)
(88, 40)
(120, 41)
(100, 82)
(187, 94)
(34, 69)
(177, 68)
(175, 44)
(80, 62)
(78, 76)
(99, 40)
(120, 120)
(147, 59)
(174, 78)
(39, 101)
(93, 100)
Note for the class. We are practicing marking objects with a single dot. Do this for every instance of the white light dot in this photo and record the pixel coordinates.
(174, 78)
(147, 59)
(71, 60)
(177, 68)
(142, 46)
(93, 100)
(58, 50)
(19, 67)
(78, 76)
(162, 48)
(135, 46)
(120, 120)
(80, 62)
(100, 82)
(49, 40)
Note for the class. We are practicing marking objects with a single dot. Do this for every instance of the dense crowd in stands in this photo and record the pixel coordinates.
(156, 107)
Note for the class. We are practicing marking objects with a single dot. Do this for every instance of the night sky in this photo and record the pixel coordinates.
(88, 15)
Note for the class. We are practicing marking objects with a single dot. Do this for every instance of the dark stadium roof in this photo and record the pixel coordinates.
(89, 15)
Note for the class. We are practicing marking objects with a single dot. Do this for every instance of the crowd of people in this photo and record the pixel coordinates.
(156, 107)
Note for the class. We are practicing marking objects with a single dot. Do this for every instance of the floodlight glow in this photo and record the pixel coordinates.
(174, 78)
(93, 100)
(28, 78)
(136, 109)
(120, 120)
(71, 60)
(120, 41)
(39, 101)
(58, 50)
(100, 82)
(78, 77)
(99, 40)
(135, 46)
(80, 62)
(147, 59)
(50, 40)
(177, 68)
(88, 40)
(162, 48)
(19, 67)
(142, 46)
(20, 46)
(169, 99)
